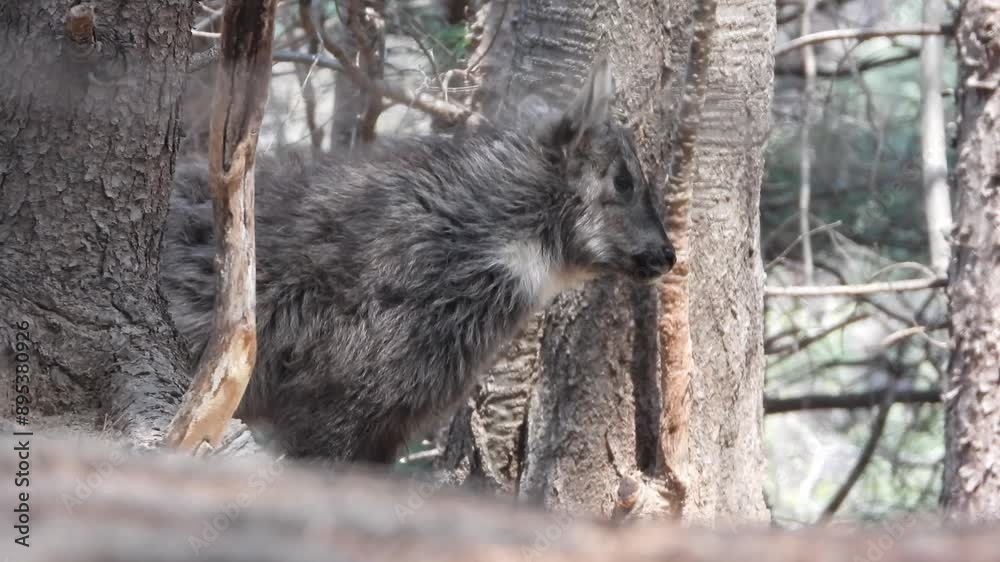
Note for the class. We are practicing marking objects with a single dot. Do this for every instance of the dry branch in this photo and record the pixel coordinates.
(308, 89)
(868, 399)
(877, 429)
(862, 34)
(839, 71)
(800, 344)
(99, 504)
(237, 109)
(857, 290)
(90, 45)
(449, 112)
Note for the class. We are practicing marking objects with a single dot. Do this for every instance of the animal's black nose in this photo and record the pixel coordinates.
(669, 256)
(659, 260)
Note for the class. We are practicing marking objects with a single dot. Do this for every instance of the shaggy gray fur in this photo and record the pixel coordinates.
(385, 286)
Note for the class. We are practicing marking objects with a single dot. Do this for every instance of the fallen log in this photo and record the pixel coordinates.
(88, 502)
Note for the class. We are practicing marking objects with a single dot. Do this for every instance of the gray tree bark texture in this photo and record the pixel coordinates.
(972, 393)
(91, 503)
(89, 124)
(593, 417)
(727, 276)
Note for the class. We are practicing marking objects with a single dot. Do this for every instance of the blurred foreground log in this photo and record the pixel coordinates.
(88, 502)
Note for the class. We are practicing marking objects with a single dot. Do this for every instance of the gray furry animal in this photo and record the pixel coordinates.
(384, 287)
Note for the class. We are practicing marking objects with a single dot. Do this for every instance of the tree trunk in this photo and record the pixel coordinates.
(937, 199)
(594, 416)
(89, 124)
(972, 394)
(727, 275)
(355, 110)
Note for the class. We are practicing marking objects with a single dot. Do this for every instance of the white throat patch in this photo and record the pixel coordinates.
(541, 277)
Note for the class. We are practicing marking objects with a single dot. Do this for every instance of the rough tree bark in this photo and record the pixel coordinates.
(972, 393)
(593, 417)
(175, 508)
(727, 276)
(89, 124)
(225, 366)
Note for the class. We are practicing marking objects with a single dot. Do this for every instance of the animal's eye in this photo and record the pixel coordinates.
(623, 180)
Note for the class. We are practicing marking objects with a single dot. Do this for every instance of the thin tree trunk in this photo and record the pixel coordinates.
(972, 393)
(89, 125)
(937, 199)
(805, 146)
(355, 110)
(582, 419)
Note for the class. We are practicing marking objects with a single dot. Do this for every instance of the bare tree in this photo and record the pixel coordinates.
(937, 199)
(972, 392)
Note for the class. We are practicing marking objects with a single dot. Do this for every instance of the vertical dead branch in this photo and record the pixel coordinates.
(368, 31)
(237, 109)
(937, 200)
(805, 156)
(309, 90)
(676, 362)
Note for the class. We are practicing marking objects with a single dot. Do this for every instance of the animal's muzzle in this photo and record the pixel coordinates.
(655, 262)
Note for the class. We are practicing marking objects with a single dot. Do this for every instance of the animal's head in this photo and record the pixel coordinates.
(616, 227)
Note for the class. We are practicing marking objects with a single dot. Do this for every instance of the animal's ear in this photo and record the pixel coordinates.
(592, 104)
(591, 107)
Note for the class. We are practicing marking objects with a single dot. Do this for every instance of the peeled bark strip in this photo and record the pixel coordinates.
(972, 393)
(676, 362)
(237, 109)
(98, 504)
